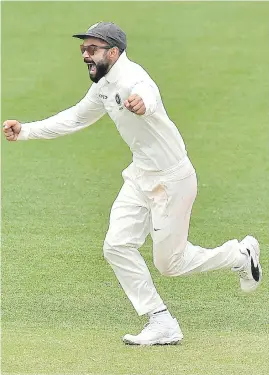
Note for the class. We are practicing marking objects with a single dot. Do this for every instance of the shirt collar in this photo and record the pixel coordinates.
(114, 73)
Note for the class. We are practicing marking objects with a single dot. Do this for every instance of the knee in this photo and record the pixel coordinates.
(168, 267)
(113, 248)
(108, 249)
(162, 266)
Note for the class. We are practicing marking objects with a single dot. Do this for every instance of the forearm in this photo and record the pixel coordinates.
(66, 122)
(149, 94)
(86, 112)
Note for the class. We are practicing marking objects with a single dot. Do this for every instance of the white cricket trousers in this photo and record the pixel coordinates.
(158, 203)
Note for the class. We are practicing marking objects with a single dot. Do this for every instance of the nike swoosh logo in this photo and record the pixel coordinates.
(255, 271)
(155, 229)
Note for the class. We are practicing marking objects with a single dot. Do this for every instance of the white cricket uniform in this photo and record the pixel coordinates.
(159, 187)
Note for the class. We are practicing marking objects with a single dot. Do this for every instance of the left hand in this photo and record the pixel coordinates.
(135, 104)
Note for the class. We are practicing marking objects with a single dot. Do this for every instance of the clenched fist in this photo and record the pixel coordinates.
(135, 104)
(11, 129)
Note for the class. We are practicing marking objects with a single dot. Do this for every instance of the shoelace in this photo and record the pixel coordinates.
(151, 325)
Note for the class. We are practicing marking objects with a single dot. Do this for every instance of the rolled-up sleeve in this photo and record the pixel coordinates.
(86, 112)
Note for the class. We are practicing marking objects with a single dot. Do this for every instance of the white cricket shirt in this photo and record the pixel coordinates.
(153, 138)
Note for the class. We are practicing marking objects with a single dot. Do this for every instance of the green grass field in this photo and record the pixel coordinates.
(63, 309)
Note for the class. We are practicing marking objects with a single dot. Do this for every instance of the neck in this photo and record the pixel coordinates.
(113, 63)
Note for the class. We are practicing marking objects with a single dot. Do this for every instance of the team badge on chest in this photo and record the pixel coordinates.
(118, 101)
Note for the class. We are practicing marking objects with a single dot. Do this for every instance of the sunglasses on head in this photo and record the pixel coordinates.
(92, 48)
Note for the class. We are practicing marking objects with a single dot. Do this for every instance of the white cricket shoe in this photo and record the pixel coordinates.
(162, 329)
(251, 272)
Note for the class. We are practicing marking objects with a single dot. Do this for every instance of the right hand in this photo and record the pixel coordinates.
(11, 129)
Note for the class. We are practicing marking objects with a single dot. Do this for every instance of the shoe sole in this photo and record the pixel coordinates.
(249, 286)
(162, 342)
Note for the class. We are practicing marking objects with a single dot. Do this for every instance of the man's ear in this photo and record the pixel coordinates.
(114, 52)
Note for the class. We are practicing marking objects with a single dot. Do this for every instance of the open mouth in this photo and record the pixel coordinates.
(92, 67)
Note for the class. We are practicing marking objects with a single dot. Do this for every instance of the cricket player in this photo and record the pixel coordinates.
(159, 187)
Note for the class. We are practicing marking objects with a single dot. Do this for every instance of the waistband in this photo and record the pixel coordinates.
(185, 162)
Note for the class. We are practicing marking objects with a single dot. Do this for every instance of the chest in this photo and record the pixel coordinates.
(127, 123)
(113, 98)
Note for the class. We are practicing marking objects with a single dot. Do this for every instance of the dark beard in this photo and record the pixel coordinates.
(102, 69)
